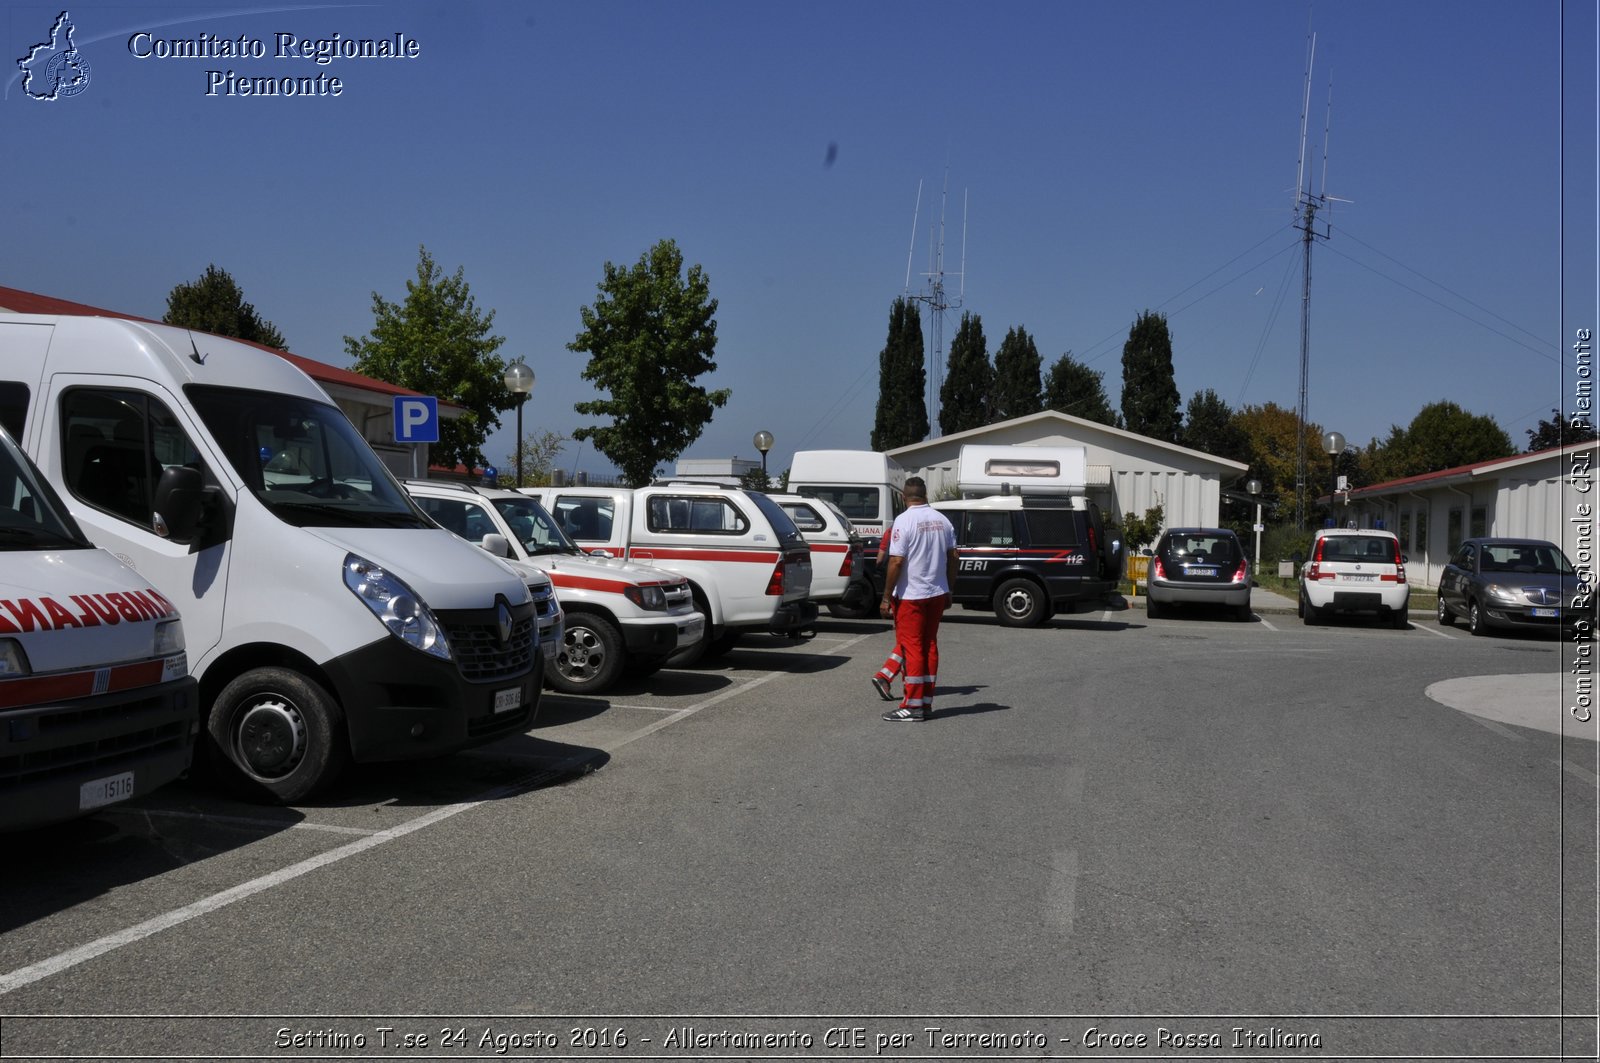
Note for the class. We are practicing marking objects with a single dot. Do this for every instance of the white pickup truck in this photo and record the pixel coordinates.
(621, 619)
(748, 566)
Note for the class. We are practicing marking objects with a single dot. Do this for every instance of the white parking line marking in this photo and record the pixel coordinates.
(1062, 891)
(1435, 631)
(1269, 625)
(1500, 729)
(1584, 774)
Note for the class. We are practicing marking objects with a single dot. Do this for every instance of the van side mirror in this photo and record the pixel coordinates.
(188, 511)
(179, 503)
(497, 544)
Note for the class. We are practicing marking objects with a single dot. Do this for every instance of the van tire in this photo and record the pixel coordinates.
(1020, 603)
(279, 735)
(590, 657)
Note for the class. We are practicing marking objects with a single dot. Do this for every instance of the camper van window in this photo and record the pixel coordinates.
(115, 444)
(304, 460)
(13, 406)
(857, 503)
(1015, 467)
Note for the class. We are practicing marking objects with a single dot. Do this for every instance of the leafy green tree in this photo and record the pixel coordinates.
(215, 303)
(756, 480)
(1016, 391)
(1150, 399)
(902, 415)
(1560, 431)
(1209, 427)
(1072, 387)
(650, 335)
(436, 341)
(964, 395)
(1139, 532)
(1441, 436)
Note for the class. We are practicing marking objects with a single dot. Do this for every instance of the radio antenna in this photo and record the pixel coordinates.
(936, 298)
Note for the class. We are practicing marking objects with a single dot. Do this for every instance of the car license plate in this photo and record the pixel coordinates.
(1199, 570)
(105, 791)
(1544, 612)
(1349, 578)
(507, 700)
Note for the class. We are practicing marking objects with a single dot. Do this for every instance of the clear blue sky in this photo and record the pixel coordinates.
(1113, 157)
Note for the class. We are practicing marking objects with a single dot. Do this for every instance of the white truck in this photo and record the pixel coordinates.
(327, 617)
(96, 701)
(748, 567)
(839, 579)
(620, 618)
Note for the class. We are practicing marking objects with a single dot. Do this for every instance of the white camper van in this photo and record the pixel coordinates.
(866, 485)
(326, 616)
(96, 703)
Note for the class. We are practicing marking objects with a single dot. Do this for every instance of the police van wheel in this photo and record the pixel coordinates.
(279, 734)
(589, 658)
(1019, 603)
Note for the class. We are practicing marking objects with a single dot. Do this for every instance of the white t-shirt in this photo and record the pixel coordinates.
(924, 537)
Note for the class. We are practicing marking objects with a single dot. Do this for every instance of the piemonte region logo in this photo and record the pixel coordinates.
(55, 69)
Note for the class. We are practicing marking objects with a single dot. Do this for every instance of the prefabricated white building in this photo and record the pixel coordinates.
(1124, 471)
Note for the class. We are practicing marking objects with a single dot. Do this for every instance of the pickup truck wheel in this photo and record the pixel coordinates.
(279, 735)
(590, 657)
(1019, 603)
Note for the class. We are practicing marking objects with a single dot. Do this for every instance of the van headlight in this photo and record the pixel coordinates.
(13, 661)
(169, 638)
(398, 606)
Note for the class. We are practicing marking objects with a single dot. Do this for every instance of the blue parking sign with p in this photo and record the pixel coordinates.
(416, 419)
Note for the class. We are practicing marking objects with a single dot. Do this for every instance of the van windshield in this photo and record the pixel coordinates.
(856, 501)
(304, 460)
(31, 514)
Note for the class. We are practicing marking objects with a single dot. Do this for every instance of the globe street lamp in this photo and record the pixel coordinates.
(1333, 443)
(1254, 487)
(763, 442)
(519, 381)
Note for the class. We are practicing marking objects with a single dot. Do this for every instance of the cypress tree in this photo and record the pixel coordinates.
(964, 395)
(1151, 405)
(1016, 390)
(1072, 387)
(902, 415)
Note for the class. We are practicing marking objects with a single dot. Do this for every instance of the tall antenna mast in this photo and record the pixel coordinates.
(938, 302)
(1306, 206)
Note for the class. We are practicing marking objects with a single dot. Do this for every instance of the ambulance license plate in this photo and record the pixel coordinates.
(105, 791)
(507, 700)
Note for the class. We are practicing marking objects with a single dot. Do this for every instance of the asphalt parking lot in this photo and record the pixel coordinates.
(653, 815)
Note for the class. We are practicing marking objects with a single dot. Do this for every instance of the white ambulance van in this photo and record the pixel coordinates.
(96, 703)
(327, 617)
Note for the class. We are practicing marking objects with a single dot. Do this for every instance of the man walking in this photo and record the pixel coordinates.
(922, 567)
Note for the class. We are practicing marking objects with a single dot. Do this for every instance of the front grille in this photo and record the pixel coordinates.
(101, 740)
(678, 594)
(483, 658)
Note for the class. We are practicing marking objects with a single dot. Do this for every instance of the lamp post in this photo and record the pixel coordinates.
(1254, 487)
(1333, 443)
(519, 381)
(763, 442)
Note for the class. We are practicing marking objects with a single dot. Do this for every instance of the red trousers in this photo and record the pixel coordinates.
(916, 635)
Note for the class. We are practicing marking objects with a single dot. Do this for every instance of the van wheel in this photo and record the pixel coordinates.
(280, 734)
(1019, 603)
(589, 658)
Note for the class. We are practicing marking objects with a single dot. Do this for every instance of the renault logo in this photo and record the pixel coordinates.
(502, 619)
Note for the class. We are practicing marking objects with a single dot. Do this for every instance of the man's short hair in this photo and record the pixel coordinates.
(915, 487)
